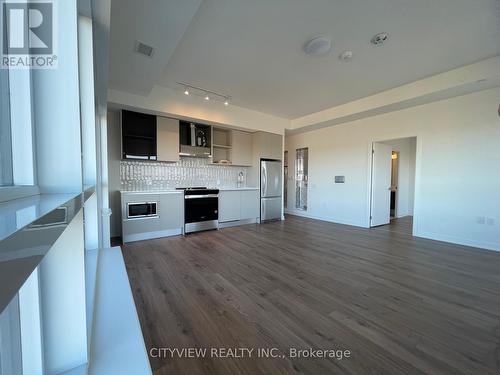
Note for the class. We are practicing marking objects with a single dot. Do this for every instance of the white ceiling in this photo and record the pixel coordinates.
(159, 24)
(252, 50)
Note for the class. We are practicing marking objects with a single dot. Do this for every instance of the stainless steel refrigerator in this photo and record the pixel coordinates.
(270, 190)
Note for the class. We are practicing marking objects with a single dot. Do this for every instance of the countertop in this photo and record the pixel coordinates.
(234, 189)
(173, 191)
(168, 191)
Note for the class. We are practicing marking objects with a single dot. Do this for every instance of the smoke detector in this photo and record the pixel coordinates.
(379, 39)
(144, 49)
(318, 46)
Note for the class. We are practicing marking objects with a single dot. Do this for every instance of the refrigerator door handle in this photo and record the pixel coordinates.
(263, 180)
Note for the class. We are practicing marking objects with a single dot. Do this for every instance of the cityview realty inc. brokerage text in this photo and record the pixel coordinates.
(248, 353)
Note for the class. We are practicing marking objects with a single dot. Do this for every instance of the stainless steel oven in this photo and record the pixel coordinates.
(201, 209)
(142, 209)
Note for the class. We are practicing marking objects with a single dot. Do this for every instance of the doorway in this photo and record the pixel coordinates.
(393, 182)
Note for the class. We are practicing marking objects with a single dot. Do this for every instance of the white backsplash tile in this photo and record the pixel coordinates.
(139, 175)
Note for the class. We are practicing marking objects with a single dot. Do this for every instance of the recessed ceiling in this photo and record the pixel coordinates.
(254, 50)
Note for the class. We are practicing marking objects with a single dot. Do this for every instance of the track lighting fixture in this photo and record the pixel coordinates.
(208, 95)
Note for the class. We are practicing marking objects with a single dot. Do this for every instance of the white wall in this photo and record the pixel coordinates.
(457, 179)
(406, 148)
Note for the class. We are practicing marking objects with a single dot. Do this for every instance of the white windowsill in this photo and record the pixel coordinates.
(8, 193)
(117, 342)
(15, 214)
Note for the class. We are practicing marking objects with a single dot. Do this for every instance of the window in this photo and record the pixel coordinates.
(301, 178)
(6, 174)
(17, 172)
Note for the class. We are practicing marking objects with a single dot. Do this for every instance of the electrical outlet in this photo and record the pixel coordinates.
(490, 221)
(480, 220)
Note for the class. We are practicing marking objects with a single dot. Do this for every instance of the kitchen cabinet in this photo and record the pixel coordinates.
(169, 220)
(222, 150)
(138, 135)
(167, 139)
(238, 205)
(134, 229)
(149, 137)
(232, 147)
(250, 208)
(229, 206)
(171, 211)
(241, 148)
(268, 145)
(276, 141)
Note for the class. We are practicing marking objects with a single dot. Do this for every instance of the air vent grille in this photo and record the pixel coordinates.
(144, 49)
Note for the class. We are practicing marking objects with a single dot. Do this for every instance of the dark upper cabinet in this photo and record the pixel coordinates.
(138, 136)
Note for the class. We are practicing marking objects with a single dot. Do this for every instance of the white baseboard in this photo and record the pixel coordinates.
(151, 235)
(459, 241)
(401, 216)
(323, 218)
(428, 235)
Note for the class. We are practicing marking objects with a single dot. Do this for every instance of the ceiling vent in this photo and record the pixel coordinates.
(144, 49)
(318, 46)
(379, 39)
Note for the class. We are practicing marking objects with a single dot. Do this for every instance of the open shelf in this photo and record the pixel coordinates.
(221, 146)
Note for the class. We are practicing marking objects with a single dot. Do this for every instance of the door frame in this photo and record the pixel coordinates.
(418, 169)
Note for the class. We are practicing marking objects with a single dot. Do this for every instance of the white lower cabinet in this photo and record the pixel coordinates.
(250, 207)
(169, 220)
(171, 211)
(229, 206)
(238, 205)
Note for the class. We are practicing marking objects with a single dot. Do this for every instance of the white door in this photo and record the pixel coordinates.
(381, 185)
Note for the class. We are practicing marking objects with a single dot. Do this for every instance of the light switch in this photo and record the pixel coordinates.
(340, 179)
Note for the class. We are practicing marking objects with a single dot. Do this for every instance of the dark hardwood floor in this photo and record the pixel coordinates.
(403, 225)
(399, 304)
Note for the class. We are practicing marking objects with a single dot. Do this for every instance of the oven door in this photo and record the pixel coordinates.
(198, 208)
